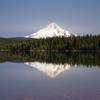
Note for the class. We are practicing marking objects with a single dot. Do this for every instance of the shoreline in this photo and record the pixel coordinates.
(88, 51)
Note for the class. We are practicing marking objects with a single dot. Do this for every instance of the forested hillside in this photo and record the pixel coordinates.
(79, 43)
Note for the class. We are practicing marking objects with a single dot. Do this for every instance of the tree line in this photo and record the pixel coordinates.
(79, 43)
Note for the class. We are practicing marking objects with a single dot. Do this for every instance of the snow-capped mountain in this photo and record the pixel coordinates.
(51, 70)
(51, 30)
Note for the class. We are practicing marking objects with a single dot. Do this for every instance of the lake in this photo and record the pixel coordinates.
(49, 76)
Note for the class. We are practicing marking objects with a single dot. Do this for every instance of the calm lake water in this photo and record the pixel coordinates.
(49, 76)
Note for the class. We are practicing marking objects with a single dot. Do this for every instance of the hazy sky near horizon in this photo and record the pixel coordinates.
(22, 17)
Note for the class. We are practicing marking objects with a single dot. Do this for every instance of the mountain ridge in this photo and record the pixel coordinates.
(51, 30)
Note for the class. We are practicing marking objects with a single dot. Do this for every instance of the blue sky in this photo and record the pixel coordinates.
(21, 17)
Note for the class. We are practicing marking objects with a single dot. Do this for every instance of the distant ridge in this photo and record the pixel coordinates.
(51, 30)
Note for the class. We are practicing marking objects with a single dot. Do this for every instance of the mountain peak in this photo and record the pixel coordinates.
(52, 25)
(51, 30)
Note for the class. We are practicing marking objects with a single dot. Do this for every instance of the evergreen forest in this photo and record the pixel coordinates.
(79, 43)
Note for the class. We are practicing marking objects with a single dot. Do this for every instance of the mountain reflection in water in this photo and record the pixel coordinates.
(71, 76)
(51, 70)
